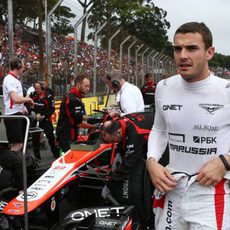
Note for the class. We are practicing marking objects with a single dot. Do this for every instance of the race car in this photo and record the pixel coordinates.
(78, 171)
(68, 194)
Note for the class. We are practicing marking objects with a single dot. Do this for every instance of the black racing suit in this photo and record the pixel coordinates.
(148, 92)
(71, 115)
(130, 183)
(44, 106)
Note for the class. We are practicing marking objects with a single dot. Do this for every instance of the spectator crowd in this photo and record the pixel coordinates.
(62, 50)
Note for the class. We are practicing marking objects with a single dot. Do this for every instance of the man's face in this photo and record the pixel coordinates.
(21, 70)
(149, 80)
(84, 87)
(44, 84)
(38, 88)
(109, 83)
(112, 138)
(191, 57)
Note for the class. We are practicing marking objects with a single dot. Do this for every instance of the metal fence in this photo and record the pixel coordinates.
(66, 57)
(23, 161)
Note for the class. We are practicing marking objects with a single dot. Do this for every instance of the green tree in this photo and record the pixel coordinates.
(85, 4)
(148, 23)
(26, 12)
(169, 49)
(62, 27)
(60, 21)
(141, 19)
(32, 13)
(220, 60)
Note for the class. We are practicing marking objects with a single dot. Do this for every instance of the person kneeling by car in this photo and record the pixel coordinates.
(130, 184)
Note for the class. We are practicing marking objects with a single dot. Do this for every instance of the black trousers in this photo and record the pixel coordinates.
(47, 126)
(15, 129)
(136, 189)
(11, 161)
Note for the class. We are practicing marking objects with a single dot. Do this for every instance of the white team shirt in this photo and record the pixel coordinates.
(194, 118)
(131, 99)
(30, 90)
(12, 84)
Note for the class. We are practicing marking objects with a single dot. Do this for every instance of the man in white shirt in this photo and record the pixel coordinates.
(130, 96)
(192, 116)
(14, 104)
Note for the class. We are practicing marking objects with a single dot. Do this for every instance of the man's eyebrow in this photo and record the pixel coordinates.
(186, 46)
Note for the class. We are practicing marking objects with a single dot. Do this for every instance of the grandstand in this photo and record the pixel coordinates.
(62, 72)
(64, 62)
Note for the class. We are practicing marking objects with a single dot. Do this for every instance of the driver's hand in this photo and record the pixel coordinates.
(161, 177)
(212, 172)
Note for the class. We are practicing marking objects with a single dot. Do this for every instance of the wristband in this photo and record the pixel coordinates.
(225, 162)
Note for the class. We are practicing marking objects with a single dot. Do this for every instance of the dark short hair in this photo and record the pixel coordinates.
(40, 83)
(196, 27)
(112, 128)
(80, 78)
(15, 63)
(148, 75)
(114, 75)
